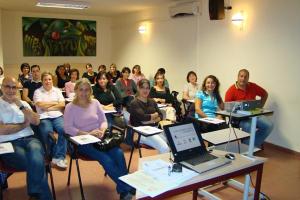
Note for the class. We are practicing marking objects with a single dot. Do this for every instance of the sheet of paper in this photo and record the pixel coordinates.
(6, 148)
(146, 183)
(109, 111)
(160, 170)
(148, 130)
(84, 139)
(212, 120)
(160, 105)
(155, 178)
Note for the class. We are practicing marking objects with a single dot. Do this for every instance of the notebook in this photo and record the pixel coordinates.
(188, 148)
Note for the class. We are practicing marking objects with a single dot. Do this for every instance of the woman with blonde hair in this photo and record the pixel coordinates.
(85, 116)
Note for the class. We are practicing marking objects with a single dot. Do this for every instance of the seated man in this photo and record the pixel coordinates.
(15, 119)
(244, 90)
(31, 85)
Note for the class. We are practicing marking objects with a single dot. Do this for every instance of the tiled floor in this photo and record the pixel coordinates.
(281, 180)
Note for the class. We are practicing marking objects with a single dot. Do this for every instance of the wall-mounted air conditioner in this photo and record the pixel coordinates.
(185, 9)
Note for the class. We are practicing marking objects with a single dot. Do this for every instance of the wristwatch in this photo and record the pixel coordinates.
(22, 107)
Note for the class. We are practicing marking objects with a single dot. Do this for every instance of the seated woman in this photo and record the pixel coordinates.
(69, 86)
(144, 111)
(85, 116)
(61, 76)
(68, 69)
(189, 92)
(161, 94)
(1, 76)
(114, 73)
(90, 74)
(25, 74)
(160, 71)
(136, 74)
(49, 103)
(107, 95)
(126, 87)
(191, 88)
(101, 68)
(209, 100)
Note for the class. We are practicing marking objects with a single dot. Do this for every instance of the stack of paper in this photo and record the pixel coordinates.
(84, 139)
(155, 178)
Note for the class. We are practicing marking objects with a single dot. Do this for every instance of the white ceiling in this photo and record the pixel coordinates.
(98, 7)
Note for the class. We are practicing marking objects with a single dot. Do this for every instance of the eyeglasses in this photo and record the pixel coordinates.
(10, 87)
(145, 88)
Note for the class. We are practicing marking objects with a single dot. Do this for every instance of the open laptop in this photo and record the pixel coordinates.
(246, 105)
(188, 147)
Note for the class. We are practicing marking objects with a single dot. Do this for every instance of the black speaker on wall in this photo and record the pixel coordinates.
(216, 9)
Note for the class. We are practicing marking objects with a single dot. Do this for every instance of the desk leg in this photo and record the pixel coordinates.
(250, 154)
(258, 182)
(195, 194)
(138, 144)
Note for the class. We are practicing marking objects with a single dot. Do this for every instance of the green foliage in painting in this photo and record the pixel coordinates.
(58, 37)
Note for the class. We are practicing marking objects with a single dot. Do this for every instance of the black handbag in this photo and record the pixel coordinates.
(109, 140)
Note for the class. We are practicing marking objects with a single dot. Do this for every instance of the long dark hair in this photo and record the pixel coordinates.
(159, 74)
(108, 77)
(216, 90)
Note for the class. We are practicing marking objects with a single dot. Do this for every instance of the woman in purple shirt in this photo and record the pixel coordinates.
(84, 116)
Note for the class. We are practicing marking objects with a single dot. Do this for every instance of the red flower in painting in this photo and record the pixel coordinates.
(55, 35)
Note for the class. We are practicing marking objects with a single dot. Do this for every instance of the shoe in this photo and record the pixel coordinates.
(60, 163)
(126, 196)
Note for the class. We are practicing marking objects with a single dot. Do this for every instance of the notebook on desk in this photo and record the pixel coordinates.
(188, 148)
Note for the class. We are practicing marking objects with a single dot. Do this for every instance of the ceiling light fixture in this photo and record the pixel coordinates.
(63, 4)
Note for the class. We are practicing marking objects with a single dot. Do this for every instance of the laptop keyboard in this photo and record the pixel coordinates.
(201, 159)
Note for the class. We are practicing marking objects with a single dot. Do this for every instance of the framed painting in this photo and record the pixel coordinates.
(58, 37)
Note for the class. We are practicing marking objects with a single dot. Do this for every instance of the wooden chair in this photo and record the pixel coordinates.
(10, 170)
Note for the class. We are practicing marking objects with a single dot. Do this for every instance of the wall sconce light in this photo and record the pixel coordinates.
(142, 29)
(238, 19)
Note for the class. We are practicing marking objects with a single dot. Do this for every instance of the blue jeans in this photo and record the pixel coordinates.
(264, 128)
(47, 126)
(113, 162)
(29, 156)
(110, 119)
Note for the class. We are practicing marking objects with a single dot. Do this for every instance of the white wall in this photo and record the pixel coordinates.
(1, 49)
(268, 46)
(164, 45)
(13, 49)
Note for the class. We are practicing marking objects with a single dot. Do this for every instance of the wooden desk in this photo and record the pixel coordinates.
(240, 166)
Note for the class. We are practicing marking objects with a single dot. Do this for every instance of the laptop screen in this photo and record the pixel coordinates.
(184, 137)
(185, 140)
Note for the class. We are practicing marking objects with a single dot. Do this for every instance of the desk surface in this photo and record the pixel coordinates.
(224, 135)
(239, 166)
(243, 116)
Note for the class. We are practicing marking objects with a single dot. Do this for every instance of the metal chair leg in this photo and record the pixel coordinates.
(70, 169)
(131, 153)
(79, 178)
(52, 182)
